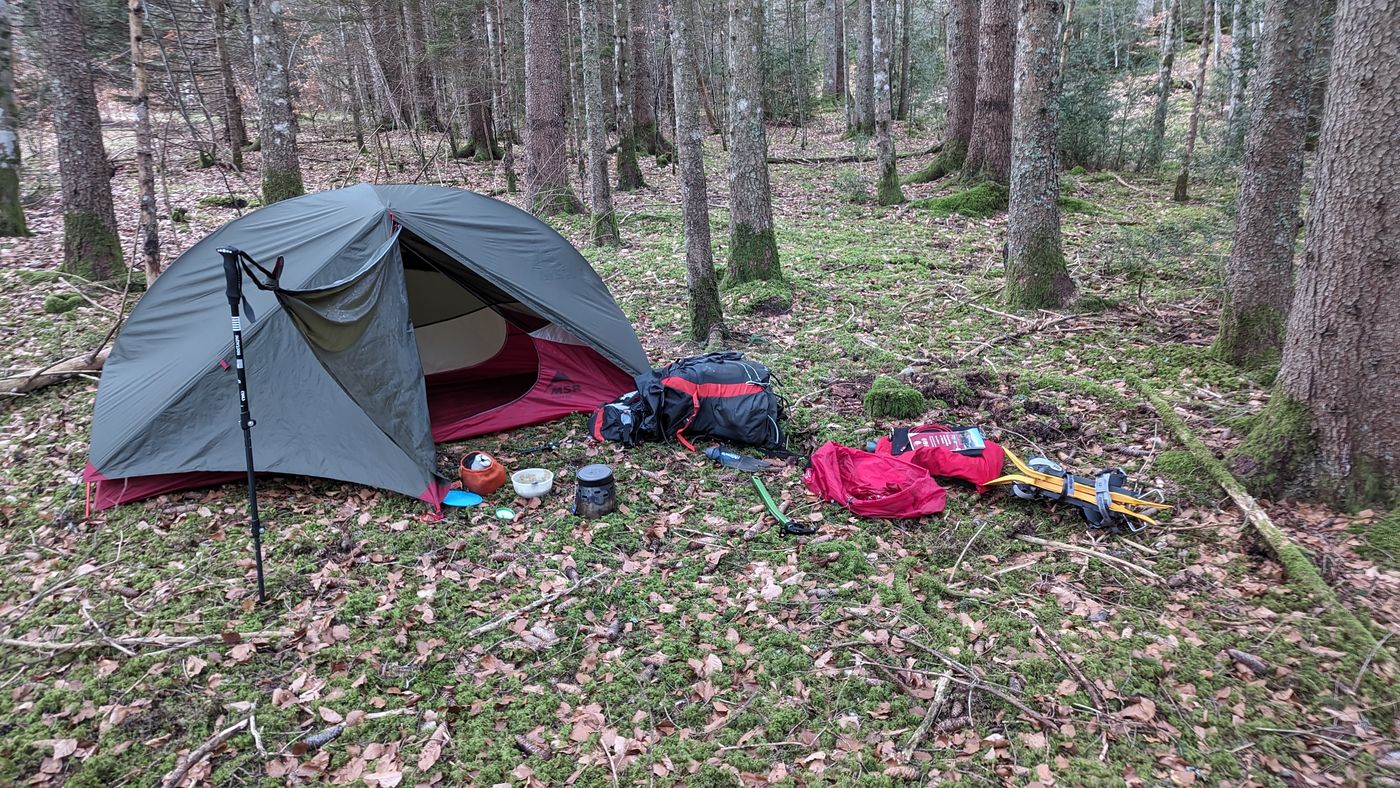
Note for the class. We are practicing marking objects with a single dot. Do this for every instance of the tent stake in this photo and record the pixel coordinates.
(233, 280)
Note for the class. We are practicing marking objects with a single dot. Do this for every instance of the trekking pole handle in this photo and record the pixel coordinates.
(233, 276)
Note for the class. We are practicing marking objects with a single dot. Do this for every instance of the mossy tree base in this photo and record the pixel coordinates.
(552, 202)
(890, 399)
(91, 249)
(605, 231)
(278, 185)
(948, 161)
(753, 254)
(648, 137)
(629, 172)
(983, 200)
(1250, 338)
(761, 297)
(1037, 277)
(1276, 459)
(887, 191)
(12, 224)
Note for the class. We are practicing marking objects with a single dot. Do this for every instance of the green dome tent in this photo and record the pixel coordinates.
(405, 315)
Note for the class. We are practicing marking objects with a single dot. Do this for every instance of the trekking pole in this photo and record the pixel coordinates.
(233, 280)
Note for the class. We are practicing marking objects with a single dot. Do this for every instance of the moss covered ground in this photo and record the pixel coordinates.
(709, 649)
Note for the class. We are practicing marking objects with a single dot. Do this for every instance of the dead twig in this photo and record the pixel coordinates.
(1105, 557)
(169, 641)
(1095, 695)
(174, 776)
(506, 618)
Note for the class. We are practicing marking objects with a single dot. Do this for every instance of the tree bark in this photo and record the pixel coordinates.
(1259, 274)
(989, 149)
(961, 24)
(834, 43)
(1166, 45)
(1241, 44)
(12, 222)
(481, 122)
(148, 228)
(277, 121)
(864, 120)
(1332, 428)
(1036, 274)
(705, 311)
(629, 172)
(599, 195)
(906, 61)
(753, 249)
(495, 39)
(547, 189)
(420, 67)
(235, 133)
(91, 246)
(887, 189)
(646, 129)
(1183, 178)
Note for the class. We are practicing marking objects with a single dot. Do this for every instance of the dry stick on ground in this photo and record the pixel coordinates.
(940, 694)
(57, 372)
(1095, 696)
(1296, 565)
(502, 620)
(1105, 557)
(1030, 329)
(174, 776)
(176, 641)
(849, 158)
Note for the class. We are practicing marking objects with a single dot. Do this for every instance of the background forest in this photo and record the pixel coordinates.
(1152, 234)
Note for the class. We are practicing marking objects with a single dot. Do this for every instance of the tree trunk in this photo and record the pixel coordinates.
(989, 148)
(91, 246)
(495, 26)
(906, 61)
(646, 130)
(235, 133)
(629, 172)
(887, 190)
(1215, 34)
(354, 94)
(12, 222)
(1142, 13)
(753, 249)
(1036, 274)
(834, 42)
(575, 94)
(1259, 274)
(1198, 90)
(864, 121)
(1166, 45)
(1241, 42)
(599, 196)
(961, 25)
(148, 226)
(277, 121)
(547, 189)
(1332, 428)
(705, 312)
(420, 67)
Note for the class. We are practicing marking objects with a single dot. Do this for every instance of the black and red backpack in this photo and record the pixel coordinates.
(720, 395)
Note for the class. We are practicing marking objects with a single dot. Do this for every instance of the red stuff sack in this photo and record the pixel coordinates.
(943, 461)
(872, 485)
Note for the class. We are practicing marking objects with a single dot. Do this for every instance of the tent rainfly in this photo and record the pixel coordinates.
(404, 316)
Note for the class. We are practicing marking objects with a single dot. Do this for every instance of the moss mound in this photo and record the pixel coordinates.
(223, 201)
(1076, 205)
(984, 199)
(1382, 540)
(760, 297)
(58, 303)
(890, 399)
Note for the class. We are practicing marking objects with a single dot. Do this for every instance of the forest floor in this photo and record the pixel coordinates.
(691, 643)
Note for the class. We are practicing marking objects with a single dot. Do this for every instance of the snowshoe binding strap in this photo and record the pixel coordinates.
(1104, 500)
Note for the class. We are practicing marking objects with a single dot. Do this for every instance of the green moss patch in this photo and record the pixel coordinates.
(1279, 447)
(58, 303)
(890, 399)
(983, 200)
(224, 201)
(1382, 540)
(760, 297)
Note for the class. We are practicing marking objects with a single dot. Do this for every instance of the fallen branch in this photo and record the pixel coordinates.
(1095, 695)
(174, 776)
(940, 694)
(1299, 569)
(167, 641)
(57, 372)
(502, 620)
(1105, 557)
(849, 158)
(1020, 332)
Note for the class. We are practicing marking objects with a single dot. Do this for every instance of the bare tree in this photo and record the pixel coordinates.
(863, 94)
(1259, 274)
(961, 24)
(989, 148)
(834, 43)
(888, 190)
(420, 66)
(495, 24)
(706, 315)
(1036, 274)
(148, 229)
(599, 196)
(1331, 430)
(753, 249)
(645, 127)
(1198, 91)
(629, 172)
(235, 133)
(1166, 46)
(277, 121)
(91, 246)
(1241, 44)
(547, 189)
(11, 205)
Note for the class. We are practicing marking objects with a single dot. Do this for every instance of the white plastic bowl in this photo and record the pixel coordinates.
(532, 482)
